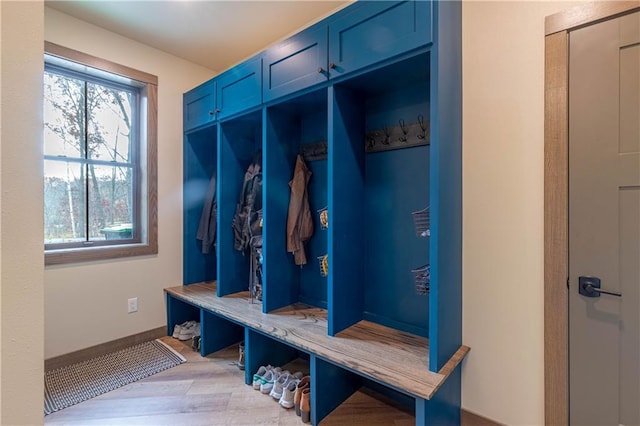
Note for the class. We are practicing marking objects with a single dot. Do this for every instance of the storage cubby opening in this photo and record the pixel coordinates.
(180, 312)
(296, 127)
(240, 146)
(389, 184)
(199, 166)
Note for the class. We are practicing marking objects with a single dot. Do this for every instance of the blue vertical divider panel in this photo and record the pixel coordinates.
(217, 333)
(199, 160)
(444, 408)
(345, 292)
(445, 308)
(330, 387)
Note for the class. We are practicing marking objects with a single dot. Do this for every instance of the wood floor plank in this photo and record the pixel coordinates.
(210, 391)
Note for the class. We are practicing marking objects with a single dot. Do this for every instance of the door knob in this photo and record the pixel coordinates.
(590, 287)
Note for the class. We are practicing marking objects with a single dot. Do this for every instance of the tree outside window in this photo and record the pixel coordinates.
(95, 185)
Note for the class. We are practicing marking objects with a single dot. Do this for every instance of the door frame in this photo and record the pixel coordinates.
(556, 196)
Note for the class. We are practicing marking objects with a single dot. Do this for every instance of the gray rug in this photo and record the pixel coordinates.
(79, 382)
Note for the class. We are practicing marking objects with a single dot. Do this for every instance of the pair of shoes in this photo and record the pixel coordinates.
(240, 362)
(179, 327)
(303, 384)
(259, 376)
(282, 383)
(270, 380)
(190, 331)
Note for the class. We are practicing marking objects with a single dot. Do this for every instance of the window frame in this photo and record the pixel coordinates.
(146, 182)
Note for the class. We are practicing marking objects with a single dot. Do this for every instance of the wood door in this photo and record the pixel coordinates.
(604, 223)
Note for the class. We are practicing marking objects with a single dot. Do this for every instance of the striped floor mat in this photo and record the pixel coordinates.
(79, 382)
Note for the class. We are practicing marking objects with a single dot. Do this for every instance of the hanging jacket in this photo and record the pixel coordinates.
(208, 218)
(246, 220)
(299, 221)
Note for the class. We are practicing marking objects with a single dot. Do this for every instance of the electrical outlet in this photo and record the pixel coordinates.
(132, 305)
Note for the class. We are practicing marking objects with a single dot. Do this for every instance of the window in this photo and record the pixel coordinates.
(99, 158)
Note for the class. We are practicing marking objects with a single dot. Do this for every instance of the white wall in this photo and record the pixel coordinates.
(86, 304)
(21, 257)
(503, 146)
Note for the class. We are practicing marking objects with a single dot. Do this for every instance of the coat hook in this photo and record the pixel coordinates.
(423, 133)
(387, 136)
(371, 141)
(403, 137)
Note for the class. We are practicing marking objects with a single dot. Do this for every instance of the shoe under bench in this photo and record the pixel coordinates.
(396, 360)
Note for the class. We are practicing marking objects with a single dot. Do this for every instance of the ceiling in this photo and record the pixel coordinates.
(215, 34)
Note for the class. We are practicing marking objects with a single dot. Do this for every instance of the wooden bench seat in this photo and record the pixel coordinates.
(396, 359)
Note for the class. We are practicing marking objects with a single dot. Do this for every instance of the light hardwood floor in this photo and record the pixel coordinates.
(211, 391)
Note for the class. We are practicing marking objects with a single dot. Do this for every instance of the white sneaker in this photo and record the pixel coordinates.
(280, 384)
(178, 328)
(189, 332)
(268, 380)
(287, 398)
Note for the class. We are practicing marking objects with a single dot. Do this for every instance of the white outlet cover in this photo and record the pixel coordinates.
(132, 305)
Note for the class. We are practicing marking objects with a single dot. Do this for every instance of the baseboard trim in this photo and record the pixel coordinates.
(472, 419)
(103, 348)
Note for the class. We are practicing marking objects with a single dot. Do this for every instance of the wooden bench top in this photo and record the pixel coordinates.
(383, 354)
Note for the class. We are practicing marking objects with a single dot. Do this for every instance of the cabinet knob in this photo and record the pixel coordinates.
(320, 70)
(217, 110)
(211, 112)
(332, 66)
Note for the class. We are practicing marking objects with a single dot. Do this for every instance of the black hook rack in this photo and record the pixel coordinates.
(402, 135)
(314, 151)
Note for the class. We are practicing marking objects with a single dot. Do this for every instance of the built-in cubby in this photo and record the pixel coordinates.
(291, 127)
(379, 128)
(240, 145)
(376, 184)
(199, 167)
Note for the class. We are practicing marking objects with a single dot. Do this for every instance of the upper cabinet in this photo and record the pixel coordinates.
(240, 88)
(363, 34)
(295, 64)
(236, 90)
(199, 105)
(370, 32)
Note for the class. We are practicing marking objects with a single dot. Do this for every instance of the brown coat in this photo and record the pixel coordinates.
(299, 221)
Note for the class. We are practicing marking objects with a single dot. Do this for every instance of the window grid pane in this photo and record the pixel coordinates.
(65, 202)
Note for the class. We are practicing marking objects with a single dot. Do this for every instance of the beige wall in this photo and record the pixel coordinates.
(503, 86)
(21, 257)
(86, 304)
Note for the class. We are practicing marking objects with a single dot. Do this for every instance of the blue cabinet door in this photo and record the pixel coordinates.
(374, 31)
(295, 64)
(240, 88)
(199, 106)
